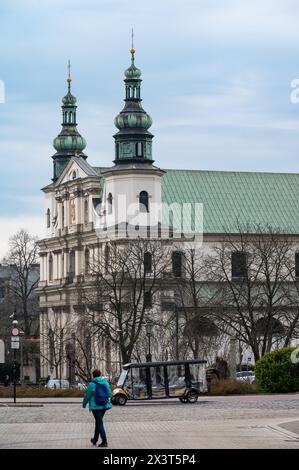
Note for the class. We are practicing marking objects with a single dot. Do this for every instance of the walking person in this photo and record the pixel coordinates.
(97, 395)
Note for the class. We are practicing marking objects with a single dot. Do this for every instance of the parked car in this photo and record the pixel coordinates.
(57, 383)
(246, 376)
(81, 386)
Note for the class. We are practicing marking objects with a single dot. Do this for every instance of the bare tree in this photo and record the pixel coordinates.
(126, 279)
(22, 260)
(56, 334)
(195, 329)
(255, 292)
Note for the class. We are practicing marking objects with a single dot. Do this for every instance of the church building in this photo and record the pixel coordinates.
(83, 202)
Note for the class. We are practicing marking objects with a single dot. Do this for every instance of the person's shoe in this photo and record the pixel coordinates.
(93, 441)
(103, 444)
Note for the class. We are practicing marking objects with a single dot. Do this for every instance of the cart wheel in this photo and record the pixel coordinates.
(192, 396)
(121, 400)
(113, 401)
(183, 399)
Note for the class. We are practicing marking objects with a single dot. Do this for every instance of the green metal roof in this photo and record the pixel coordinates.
(231, 199)
(234, 199)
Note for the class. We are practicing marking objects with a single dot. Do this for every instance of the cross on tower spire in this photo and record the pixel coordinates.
(69, 78)
(132, 48)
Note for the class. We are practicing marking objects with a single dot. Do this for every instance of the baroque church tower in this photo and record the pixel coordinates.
(133, 184)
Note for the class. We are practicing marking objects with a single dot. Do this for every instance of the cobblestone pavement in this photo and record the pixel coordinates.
(214, 422)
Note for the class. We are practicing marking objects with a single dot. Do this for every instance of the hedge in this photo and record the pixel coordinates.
(277, 373)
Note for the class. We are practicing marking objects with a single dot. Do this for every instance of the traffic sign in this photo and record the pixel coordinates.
(15, 332)
(15, 339)
(15, 345)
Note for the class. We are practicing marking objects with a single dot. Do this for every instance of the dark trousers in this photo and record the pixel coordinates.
(99, 428)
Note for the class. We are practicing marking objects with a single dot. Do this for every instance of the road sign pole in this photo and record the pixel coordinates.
(14, 375)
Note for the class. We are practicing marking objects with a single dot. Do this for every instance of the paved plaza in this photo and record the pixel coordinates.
(214, 422)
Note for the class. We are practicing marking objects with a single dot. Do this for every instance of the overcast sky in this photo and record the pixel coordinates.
(216, 81)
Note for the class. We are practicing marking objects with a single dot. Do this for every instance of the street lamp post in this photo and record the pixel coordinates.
(149, 324)
(118, 331)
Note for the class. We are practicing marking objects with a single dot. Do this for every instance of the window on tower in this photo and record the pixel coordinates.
(143, 201)
(109, 200)
(139, 149)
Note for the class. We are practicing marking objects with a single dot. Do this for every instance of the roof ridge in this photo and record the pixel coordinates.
(231, 171)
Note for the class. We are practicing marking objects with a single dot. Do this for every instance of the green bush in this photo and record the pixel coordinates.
(232, 387)
(276, 373)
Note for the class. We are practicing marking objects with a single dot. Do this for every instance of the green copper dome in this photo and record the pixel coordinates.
(132, 72)
(69, 140)
(133, 120)
(69, 99)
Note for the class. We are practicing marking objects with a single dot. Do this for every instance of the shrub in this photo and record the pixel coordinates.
(276, 373)
(232, 387)
(33, 392)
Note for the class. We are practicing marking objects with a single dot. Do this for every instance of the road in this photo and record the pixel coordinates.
(214, 422)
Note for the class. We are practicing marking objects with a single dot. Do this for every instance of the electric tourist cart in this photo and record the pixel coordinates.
(185, 380)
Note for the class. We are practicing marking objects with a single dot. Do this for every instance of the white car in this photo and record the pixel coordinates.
(246, 376)
(81, 386)
(56, 383)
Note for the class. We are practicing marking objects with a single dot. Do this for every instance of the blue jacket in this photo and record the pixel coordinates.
(90, 393)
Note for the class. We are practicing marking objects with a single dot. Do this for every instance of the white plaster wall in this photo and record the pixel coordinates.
(125, 190)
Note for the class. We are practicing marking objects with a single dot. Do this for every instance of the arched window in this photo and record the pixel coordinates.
(72, 265)
(177, 263)
(62, 266)
(48, 218)
(117, 150)
(239, 265)
(86, 261)
(74, 175)
(171, 224)
(143, 201)
(147, 262)
(106, 255)
(110, 200)
(62, 216)
(50, 268)
(147, 300)
(86, 212)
